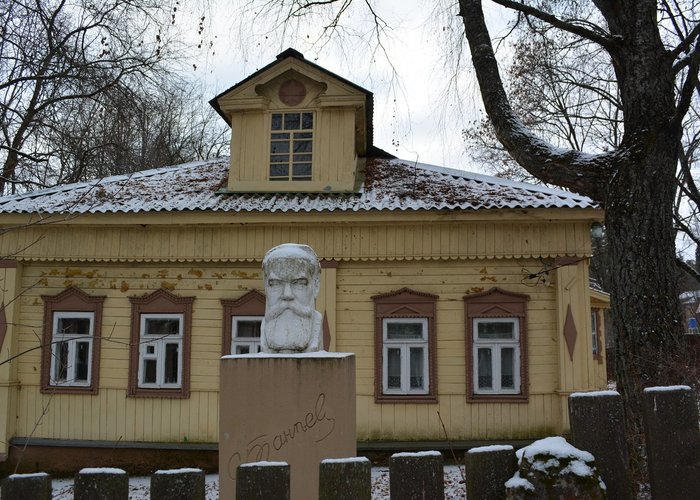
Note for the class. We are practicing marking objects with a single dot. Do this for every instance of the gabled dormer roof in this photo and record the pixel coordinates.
(294, 56)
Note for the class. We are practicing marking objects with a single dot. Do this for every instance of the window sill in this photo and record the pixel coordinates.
(406, 398)
(497, 398)
(159, 393)
(69, 389)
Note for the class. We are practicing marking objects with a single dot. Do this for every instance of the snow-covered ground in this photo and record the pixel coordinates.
(139, 486)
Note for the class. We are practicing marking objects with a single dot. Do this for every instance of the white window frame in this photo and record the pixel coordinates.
(594, 333)
(160, 342)
(405, 346)
(496, 346)
(290, 141)
(73, 341)
(253, 343)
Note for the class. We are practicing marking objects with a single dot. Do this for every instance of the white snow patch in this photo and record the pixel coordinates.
(27, 476)
(518, 482)
(490, 448)
(184, 470)
(556, 446)
(578, 468)
(101, 470)
(264, 463)
(345, 460)
(667, 388)
(593, 394)
(416, 454)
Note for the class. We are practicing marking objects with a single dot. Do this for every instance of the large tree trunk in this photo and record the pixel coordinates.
(635, 184)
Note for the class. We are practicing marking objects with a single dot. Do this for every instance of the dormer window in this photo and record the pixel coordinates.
(291, 146)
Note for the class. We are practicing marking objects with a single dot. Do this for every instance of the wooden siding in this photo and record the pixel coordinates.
(346, 290)
(391, 240)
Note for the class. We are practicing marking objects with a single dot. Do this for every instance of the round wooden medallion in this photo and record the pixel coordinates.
(292, 92)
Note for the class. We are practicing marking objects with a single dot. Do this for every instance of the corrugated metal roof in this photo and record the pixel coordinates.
(389, 185)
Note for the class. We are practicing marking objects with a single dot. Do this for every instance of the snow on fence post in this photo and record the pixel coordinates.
(104, 483)
(178, 483)
(416, 476)
(673, 441)
(27, 486)
(487, 469)
(598, 426)
(262, 481)
(345, 479)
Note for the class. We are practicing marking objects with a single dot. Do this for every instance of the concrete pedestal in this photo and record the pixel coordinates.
(294, 408)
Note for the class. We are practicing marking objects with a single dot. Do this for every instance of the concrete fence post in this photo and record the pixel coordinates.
(262, 481)
(27, 487)
(487, 469)
(345, 479)
(104, 483)
(673, 441)
(183, 484)
(416, 476)
(598, 426)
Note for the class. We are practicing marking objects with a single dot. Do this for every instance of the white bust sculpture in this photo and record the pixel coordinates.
(292, 276)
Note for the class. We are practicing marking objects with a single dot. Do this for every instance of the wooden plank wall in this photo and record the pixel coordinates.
(112, 416)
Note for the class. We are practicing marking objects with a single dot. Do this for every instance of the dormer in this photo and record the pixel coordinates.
(296, 127)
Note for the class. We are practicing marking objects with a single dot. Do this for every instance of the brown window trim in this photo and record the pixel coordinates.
(405, 303)
(496, 303)
(250, 304)
(160, 302)
(71, 300)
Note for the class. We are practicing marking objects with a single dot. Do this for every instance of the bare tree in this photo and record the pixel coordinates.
(54, 53)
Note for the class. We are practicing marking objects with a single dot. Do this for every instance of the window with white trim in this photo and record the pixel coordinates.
(594, 332)
(405, 356)
(496, 352)
(160, 350)
(245, 334)
(71, 348)
(291, 146)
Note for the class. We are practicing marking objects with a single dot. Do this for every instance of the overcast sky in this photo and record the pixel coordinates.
(417, 114)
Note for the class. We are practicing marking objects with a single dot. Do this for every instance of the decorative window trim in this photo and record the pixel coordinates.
(496, 303)
(165, 303)
(71, 300)
(405, 303)
(250, 304)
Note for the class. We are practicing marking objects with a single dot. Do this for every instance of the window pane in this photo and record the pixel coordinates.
(279, 147)
(417, 374)
(61, 361)
(242, 349)
(149, 371)
(162, 326)
(496, 330)
(401, 331)
(507, 368)
(393, 363)
(74, 326)
(303, 135)
(82, 361)
(301, 170)
(279, 159)
(307, 120)
(281, 170)
(302, 159)
(171, 364)
(292, 121)
(248, 328)
(302, 146)
(281, 135)
(484, 369)
(276, 121)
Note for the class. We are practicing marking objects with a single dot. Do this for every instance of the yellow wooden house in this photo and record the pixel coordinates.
(464, 297)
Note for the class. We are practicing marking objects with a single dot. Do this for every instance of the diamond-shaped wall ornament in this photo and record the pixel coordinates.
(570, 332)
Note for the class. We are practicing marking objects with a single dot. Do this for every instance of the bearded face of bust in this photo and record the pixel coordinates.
(292, 280)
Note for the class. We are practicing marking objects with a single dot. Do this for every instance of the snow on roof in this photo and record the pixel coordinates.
(389, 185)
